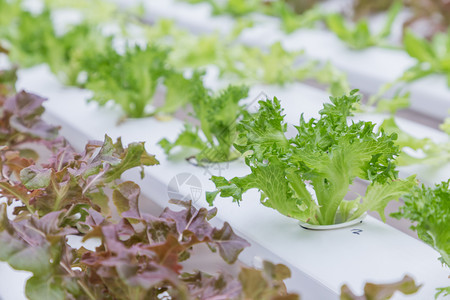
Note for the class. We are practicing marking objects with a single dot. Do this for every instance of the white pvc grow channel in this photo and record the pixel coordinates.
(321, 261)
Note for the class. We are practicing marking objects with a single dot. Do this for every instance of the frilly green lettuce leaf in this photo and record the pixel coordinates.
(379, 195)
(215, 135)
(327, 154)
(429, 208)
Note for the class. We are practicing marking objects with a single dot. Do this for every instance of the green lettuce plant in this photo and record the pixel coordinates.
(432, 56)
(360, 36)
(292, 14)
(239, 63)
(327, 154)
(429, 209)
(214, 137)
(30, 44)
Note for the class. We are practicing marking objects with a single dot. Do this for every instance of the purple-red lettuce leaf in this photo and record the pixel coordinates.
(126, 198)
(266, 284)
(193, 223)
(37, 245)
(205, 286)
(374, 291)
(24, 111)
(80, 178)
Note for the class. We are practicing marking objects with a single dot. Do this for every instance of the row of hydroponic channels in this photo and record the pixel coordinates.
(316, 158)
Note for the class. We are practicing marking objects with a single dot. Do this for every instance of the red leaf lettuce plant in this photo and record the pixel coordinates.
(44, 203)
